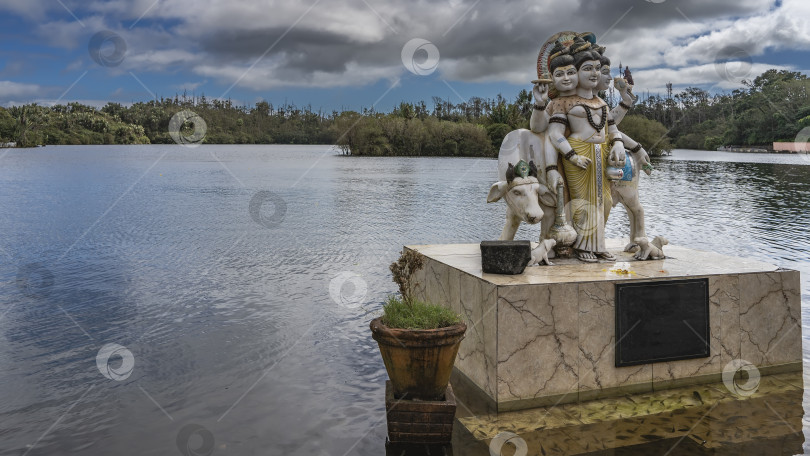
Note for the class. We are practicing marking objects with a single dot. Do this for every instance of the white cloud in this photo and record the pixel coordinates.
(31, 9)
(157, 60)
(723, 77)
(684, 51)
(68, 33)
(190, 85)
(74, 66)
(9, 89)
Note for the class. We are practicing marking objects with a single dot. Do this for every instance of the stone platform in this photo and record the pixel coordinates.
(546, 336)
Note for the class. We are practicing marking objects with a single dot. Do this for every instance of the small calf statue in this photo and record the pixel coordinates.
(651, 250)
(540, 253)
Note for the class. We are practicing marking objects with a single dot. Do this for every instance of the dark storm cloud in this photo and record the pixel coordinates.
(355, 42)
(647, 14)
(307, 49)
(483, 35)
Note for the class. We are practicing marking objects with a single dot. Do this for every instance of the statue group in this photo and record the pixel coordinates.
(575, 164)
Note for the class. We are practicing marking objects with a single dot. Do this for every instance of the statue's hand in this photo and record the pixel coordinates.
(617, 156)
(582, 162)
(625, 90)
(540, 92)
(644, 159)
(633, 97)
(552, 178)
(620, 84)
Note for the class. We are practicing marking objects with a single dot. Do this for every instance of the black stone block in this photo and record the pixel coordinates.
(505, 257)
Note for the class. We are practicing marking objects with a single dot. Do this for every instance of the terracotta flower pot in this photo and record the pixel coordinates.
(418, 361)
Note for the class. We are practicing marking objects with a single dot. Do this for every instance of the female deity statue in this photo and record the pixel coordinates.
(579, 128)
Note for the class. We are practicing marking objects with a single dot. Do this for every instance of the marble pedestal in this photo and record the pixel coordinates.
(546, 336)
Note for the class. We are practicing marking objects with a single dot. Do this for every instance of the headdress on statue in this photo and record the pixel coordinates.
(552, 46)
(588, 36)
(556, 48)
(580, 45)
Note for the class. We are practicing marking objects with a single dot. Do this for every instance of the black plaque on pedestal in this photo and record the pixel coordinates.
(662, 321)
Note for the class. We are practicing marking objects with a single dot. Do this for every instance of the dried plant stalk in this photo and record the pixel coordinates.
(402, 271)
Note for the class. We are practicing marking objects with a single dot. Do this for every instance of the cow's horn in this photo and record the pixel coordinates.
(532, 169)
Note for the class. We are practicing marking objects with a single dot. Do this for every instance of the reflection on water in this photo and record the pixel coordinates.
(697, 420)
(230, 322)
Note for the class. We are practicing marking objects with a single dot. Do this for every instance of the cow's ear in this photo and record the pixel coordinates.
(497, 191)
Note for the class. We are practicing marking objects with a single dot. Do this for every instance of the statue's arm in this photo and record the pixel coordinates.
(555, 136)
(636, 150)
(629, 143)
(556, 133)
(539, 120)
(616, 141)
(613, 132)
(620, 110)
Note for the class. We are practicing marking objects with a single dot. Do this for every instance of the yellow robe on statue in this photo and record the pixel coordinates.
(589, 191)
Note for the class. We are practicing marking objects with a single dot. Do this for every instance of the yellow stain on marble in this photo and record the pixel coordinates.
(790, 379)
(621, 271)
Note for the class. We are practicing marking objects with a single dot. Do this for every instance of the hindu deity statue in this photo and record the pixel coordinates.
(585, 165)
(581, 141)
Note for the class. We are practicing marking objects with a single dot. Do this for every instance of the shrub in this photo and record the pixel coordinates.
(496, 133)
(651, 134)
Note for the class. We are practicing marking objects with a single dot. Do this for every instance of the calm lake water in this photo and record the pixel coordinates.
(211, 269)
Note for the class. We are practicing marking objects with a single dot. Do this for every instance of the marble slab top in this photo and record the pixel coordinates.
(680, 262)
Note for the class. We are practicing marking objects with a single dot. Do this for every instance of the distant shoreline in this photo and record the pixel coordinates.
(338, 152)
(758, 150)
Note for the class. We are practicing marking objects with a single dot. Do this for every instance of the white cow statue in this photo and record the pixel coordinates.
(527, 197)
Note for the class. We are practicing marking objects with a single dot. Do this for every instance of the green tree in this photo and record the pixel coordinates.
(496, 133)
(7, 126)
(651, 134)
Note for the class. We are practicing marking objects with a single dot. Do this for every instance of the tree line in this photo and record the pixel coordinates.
(772, 107)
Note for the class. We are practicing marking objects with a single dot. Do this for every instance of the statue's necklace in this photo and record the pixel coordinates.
(601, 124)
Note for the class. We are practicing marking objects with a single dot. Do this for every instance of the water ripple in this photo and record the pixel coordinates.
(231, 323)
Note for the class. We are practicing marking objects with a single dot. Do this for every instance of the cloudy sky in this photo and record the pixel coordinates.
(348, 54)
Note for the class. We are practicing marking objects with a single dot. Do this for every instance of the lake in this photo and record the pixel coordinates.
(210, 268)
